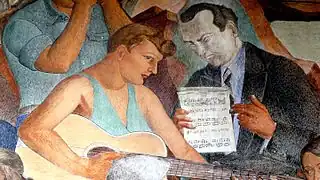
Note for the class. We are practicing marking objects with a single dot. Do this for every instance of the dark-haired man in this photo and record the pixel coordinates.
(272, 97)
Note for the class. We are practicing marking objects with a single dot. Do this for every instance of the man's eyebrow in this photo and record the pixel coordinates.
(311, 166)
(201, 38)
(191, 42)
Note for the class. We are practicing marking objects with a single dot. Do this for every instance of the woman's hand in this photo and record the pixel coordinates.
(98, 166)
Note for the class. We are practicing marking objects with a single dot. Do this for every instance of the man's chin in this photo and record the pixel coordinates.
(217, 62)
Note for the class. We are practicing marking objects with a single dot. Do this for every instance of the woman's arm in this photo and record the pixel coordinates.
(38, 133)
(162, 125)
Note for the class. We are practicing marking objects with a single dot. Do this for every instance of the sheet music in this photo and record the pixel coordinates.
(209, 110)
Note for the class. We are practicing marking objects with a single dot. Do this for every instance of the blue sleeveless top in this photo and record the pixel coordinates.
(106, 117)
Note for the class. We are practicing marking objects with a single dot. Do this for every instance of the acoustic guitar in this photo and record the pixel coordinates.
(84, 138)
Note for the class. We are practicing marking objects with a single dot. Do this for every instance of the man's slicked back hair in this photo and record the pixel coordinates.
(221, 14)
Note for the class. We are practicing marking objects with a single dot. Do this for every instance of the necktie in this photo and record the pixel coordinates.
(227, 77)
(227, 81)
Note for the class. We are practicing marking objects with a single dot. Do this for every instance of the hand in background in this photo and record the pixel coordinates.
(255, 117)
(87, 2)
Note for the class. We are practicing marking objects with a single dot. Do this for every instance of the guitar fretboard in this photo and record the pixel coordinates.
(190, 169)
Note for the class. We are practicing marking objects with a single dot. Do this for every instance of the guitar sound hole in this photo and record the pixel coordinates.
(97, 150)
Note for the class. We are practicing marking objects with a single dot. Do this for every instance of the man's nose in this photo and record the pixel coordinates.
(200, 50)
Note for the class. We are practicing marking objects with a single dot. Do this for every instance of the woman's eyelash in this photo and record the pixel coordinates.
(148, 57)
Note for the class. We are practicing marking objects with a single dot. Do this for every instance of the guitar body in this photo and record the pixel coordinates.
(81, 134)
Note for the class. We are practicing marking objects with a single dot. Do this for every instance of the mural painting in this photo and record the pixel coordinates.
(81, 78)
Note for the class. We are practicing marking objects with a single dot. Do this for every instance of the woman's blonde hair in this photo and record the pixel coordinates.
(135, 33)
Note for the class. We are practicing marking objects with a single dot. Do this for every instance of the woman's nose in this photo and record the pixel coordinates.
(153, 68)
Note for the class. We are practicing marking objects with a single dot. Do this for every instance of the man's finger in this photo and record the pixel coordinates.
(184, 124)
(245, 122)
(243, 119)
(181, 111)
(183, 118)
(256, 102)
(245, 109)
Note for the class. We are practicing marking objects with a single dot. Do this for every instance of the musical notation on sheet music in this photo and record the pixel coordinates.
(209, 109)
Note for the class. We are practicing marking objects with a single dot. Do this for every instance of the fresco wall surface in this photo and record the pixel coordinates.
(73, 72)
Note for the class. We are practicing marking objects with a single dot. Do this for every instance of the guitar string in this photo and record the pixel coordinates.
(182, 168)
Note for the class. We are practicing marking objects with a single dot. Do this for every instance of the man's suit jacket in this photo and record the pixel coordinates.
(283, 88)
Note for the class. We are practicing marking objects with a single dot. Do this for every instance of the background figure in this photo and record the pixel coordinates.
(310, 159)
(9, 103)
(8, 135)
(281, 92)
(8, 111)
(135, 7)
(49, 40)
(11, 166)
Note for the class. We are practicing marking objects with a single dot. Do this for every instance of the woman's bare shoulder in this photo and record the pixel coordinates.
(75, 82)
(144, 92)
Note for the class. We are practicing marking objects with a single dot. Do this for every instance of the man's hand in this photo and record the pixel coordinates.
(255, 117)
(85, 2)
(181, 120)
(314, 77)
(99, 166)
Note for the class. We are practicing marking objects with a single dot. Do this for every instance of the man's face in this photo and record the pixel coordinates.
(206, 39)
(140, 62)
(311, 166)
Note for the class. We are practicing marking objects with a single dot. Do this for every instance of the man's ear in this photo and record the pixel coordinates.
(122, 51)
(231, 25)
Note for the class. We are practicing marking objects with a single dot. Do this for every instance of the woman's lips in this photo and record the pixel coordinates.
(144, 76)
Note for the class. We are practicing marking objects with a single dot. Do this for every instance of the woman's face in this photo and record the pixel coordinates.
(140, 62)
(311, 166)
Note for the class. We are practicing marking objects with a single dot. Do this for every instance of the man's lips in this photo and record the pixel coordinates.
(211, 56)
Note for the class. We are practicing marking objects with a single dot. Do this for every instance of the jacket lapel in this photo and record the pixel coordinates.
(211, 76)
(255, 80)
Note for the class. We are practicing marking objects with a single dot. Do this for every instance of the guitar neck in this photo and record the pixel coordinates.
(189, 169)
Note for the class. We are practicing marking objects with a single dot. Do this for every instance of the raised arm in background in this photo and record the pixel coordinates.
(59, 57)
